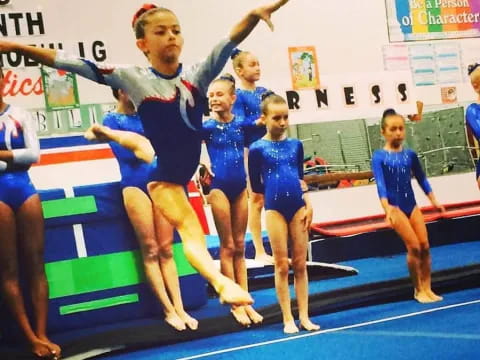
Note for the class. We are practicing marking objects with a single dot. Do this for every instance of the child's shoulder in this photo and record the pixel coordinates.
(378, 154)
(473, 109)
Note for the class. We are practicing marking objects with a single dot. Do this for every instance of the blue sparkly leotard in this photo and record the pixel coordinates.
(17, 134)
(473, 121)
(225, 143)
(393, 175)
(247, 106)
(134, 171)
(275, 169)
(170, 107)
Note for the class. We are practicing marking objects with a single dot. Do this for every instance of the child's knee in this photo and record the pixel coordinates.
(299, 266)
(281, 266)
(150, 250)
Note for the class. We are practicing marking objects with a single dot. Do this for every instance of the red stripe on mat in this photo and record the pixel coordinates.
(74, 156)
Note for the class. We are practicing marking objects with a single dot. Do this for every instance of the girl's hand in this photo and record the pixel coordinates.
(265, 12)
(96, 132)
(260, 122)
(439, 207)
(390, 215)
(307, 220)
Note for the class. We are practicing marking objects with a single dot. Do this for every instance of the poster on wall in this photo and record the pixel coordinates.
(416, 20)
(60, 89)
(304, 68)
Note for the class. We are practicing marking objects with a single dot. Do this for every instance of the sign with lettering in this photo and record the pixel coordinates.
(412, 20)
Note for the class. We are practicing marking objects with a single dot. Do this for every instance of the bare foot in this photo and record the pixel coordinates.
(434, 296)
(422, 297)
(240, 315)
(42, 350)
(55, 350)
(174, 321)
(253, 315)
(264, 259)
(308, 325)
(191, 323)
(231, 293)
(290, 327)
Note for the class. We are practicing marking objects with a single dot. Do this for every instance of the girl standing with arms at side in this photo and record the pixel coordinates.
(247, 106)
(393, 167)
(224, 136)
(123, 129)
(22, 227)
(170, 102)
(275, 165)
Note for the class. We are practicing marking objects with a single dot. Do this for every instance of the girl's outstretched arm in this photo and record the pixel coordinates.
(41, 55)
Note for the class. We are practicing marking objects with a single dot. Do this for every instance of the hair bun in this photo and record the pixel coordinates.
(266, 94)
(141, 11)
(472, 67)
(235, 53)
(227, 77)
(389, 112)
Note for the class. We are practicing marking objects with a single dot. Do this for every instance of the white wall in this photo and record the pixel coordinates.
(348, 36)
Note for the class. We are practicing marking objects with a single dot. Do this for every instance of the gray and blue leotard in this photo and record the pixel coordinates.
(473, 121)
(17, 134)
(134, 171)
(393, 175)
(275, 169)
(247, 106)
(225, 143)
(170, 107)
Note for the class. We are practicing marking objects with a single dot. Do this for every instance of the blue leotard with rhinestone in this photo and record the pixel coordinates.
(225, 143)
(393, 175)
(275, 169)
(247, 106)
(134, 171)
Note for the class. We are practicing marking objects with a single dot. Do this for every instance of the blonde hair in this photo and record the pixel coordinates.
(227, 79)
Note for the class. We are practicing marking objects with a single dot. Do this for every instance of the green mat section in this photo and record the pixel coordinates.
(69, 206)
(104, 272)
(98, 304)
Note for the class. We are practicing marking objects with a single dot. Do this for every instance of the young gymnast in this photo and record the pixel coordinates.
(224, 136)
(154, 233)
(247, 106)
(170, 102)
(393, 167)
(276, 169)
(472, 114)
(22, 227)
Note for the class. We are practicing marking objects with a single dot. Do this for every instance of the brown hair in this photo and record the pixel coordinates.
(269, 97)
(386, 114)
(140, 18)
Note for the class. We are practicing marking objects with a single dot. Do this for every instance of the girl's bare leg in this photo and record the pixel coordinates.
(164, 235)
(402, 226)
(172, 202)
(278, 234)
(418, 225)
(239, 216)
(10, 282)
(299, 239)
(140, 212)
